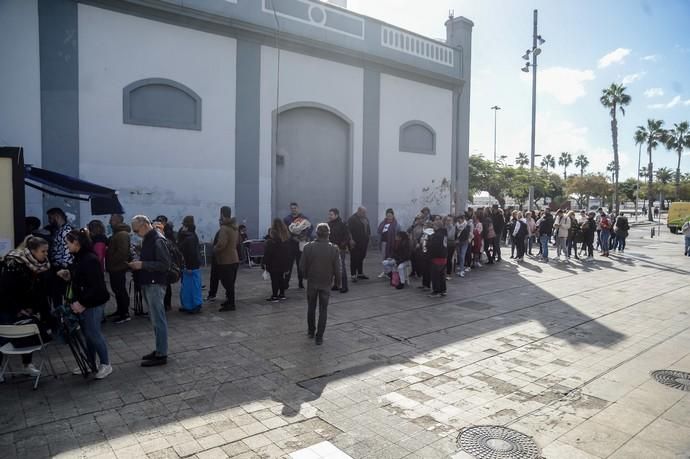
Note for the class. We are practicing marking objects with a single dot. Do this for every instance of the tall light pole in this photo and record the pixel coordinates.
(637, 189)
(495, 108)
(535, 51)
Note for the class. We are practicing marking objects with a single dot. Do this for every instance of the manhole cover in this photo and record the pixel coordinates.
(497, 442)
(672, 378)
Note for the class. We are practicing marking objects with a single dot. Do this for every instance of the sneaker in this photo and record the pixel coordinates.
(382, 275)
(272, 299)
(103, 371)
(121, 320)
(157, 360)
(31, 370)
(77, 371)
(448, 278)
(210, 299)
(461, 274)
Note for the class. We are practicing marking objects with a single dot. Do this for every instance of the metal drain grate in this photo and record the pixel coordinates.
(497, 442)
(673, 378)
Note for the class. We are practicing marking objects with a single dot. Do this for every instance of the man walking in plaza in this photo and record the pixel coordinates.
(153, 268)
(360, 231)
(340, 237)
(300, 230)
(116, 260)
(320, 266)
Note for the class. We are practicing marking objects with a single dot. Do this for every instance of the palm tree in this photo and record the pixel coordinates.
(548, 161)
(611, 167)
(652, 134)
(522, 159)
(565, 160)
(639, 140)
(613, 98)
(678, 139)
(582, 162)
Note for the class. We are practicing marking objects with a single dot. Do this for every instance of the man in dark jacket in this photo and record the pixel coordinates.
(360, 231)
(438, 254)
(116, 260)
(296, 239)
(545, 230)
(153, 266)
(340, 237)
(226, 256)
(320, 266)
(499, 223)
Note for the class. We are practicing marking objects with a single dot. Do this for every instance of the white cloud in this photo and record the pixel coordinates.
(566, 85)
(614, 57)
(650, 58)
(627, 79)
(654, 92)
(672, 103)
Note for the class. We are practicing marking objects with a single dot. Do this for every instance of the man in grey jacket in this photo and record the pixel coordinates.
(320, 266)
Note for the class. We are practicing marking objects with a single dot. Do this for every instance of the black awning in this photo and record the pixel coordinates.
(103, 200)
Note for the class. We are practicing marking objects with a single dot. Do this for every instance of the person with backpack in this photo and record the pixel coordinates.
(225, 253)
(685, 229)
(622, 228)
(545, 228)
(87, 296)
(153, 267)
(605, 234)
(277, 259)
(190, 282)
(463, 230)
(520, 232)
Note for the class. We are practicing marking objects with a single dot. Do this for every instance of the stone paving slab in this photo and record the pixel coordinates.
(561, 352)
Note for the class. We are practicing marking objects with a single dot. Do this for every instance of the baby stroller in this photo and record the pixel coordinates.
(70, 330)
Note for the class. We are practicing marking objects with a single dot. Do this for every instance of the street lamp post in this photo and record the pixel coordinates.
(495, 108)
(535, 51)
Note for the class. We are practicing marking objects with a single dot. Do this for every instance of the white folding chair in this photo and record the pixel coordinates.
(24, 331)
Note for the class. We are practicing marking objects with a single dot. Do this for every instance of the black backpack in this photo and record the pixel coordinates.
(176, 261)
(522, 231)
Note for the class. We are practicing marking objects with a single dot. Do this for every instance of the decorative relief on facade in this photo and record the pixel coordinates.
(416, 46)
(317, 15)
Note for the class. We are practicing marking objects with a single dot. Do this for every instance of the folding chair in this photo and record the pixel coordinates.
(24, 331)
(254, 248)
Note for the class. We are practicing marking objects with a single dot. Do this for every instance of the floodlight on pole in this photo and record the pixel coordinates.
(540, 40)
(526, 55)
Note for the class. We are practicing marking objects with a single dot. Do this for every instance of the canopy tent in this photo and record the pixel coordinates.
(103, 200)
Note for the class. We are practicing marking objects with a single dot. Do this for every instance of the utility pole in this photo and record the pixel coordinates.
(495, 108)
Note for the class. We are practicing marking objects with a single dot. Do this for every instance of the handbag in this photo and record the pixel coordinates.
(395, 279)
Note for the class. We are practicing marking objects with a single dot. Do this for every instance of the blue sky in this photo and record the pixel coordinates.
(589, 45)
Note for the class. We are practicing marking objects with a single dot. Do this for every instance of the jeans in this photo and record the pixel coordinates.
(462, 253)
(190, 289)
(561, 246)
(322, 296)
(118, 283)
(497, 248)
(620, 241)
(544, 241)
(438, 278)
(357, 255)
(687, 245)
(228, 276)
(605, 235)
(90, 321)
(153, 294)
(390, 265)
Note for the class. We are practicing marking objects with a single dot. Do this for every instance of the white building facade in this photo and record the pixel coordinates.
(184, 106)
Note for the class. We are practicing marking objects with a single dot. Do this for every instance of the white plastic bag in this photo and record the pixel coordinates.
(266, 275)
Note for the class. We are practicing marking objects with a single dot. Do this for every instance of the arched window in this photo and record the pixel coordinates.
(417, 137)
(161, 102)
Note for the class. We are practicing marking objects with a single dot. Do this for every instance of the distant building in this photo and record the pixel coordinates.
(187, 105)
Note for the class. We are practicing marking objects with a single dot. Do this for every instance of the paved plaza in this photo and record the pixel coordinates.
(561, 352)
